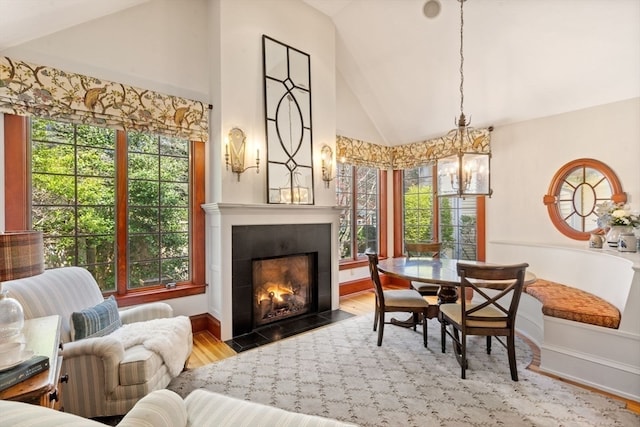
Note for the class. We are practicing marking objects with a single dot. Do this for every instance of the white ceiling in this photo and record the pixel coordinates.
(523, 58)
(24, 20)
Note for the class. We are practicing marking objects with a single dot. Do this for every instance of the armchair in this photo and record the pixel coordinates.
(105, 376)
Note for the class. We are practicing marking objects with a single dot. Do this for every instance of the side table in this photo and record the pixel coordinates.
(42, 336)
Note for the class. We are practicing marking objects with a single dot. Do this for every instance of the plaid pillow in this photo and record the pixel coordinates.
(97, 321)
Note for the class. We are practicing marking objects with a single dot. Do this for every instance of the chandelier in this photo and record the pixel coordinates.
(465, 172)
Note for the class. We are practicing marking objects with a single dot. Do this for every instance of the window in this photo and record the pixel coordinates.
(458, 223)
(574, 193)
(452, 221)
(73, 196)
(418, 214)
(358, 191)
(126, 206)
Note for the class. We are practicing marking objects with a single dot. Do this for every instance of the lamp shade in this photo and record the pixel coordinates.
(21, 254)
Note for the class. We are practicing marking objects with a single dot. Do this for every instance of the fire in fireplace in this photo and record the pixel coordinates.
(282, 287)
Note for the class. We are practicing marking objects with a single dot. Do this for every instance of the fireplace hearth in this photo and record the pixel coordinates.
(284, 329)
(305, 244)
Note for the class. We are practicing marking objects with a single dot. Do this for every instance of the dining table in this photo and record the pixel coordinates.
(440, 271)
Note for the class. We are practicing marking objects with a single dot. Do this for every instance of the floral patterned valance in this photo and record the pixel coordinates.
(28, 89)
(409, 155)
(419, 153)
(363, 153)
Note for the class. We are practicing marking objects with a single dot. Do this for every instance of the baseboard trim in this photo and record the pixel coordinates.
(205, 322)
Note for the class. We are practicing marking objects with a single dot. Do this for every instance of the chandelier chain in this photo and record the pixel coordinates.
(461, 58)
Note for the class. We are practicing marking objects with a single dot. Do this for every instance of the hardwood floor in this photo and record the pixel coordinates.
(208, 349)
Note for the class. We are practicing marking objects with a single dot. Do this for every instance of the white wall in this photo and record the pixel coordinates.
(352, 121)
(211, 51)
(243, 22)
(174, 47)
(159, 45)
(526, 156)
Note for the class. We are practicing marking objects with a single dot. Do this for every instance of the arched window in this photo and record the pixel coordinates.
(574, 192)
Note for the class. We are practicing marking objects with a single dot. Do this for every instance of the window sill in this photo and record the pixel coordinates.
(135, 297)
(348, 265)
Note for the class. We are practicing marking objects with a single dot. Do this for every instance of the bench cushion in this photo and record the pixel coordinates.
(570, 303)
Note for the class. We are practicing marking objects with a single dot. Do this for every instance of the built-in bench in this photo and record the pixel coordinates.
(583, 313)
(567, 302)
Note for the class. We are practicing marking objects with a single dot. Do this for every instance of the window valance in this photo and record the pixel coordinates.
(419, 153)
(409, 155)
(363, 153)
(29, 89)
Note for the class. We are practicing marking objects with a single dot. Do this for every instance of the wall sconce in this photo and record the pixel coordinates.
(326, 155)
(234, 152)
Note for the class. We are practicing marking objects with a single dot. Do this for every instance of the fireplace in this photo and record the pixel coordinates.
(300, 253)
(282, 287)
(239, 233)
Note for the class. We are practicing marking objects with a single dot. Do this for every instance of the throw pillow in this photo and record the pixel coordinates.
(97, 321)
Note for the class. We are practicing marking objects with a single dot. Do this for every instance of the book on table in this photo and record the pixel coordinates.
(23, 371)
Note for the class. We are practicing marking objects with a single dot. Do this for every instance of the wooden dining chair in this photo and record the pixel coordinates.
(491, 314)
(395, 300)
(428, 249)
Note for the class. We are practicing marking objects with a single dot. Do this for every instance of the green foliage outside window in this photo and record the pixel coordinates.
(73, 196)
(361, 183)
(457, 217)
(74, 202)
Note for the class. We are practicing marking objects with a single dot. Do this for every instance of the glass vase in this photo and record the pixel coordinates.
(11, 317)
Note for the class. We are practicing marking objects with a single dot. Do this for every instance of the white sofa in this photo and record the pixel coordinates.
(164, 408)
(105, 377)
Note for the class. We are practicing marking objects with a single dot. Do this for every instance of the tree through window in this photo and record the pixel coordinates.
(357, 190)
(126, 206)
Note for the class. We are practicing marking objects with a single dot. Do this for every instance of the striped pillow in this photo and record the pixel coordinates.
(97, 321)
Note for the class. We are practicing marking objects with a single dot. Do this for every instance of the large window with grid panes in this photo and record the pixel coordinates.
(357, 191)
(120, 204)
(426, 218)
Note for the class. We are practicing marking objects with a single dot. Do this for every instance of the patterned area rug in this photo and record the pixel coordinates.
(339, 372)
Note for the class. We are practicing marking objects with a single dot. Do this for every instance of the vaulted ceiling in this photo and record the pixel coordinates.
(523, 59)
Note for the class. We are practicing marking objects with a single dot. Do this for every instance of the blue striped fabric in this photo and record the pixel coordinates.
(97, 321)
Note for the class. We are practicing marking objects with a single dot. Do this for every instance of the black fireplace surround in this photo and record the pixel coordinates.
(249, 242)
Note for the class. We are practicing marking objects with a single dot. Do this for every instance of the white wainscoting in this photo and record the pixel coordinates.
(604, 358)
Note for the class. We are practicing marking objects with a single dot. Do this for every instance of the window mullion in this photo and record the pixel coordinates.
(122, 209)
(354, 211)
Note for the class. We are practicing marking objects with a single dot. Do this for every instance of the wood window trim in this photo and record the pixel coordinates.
(398, 238)
(551, 198)
(382, 225)
(17, 205)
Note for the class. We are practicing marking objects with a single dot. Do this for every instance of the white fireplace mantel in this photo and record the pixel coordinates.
(221, 217)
